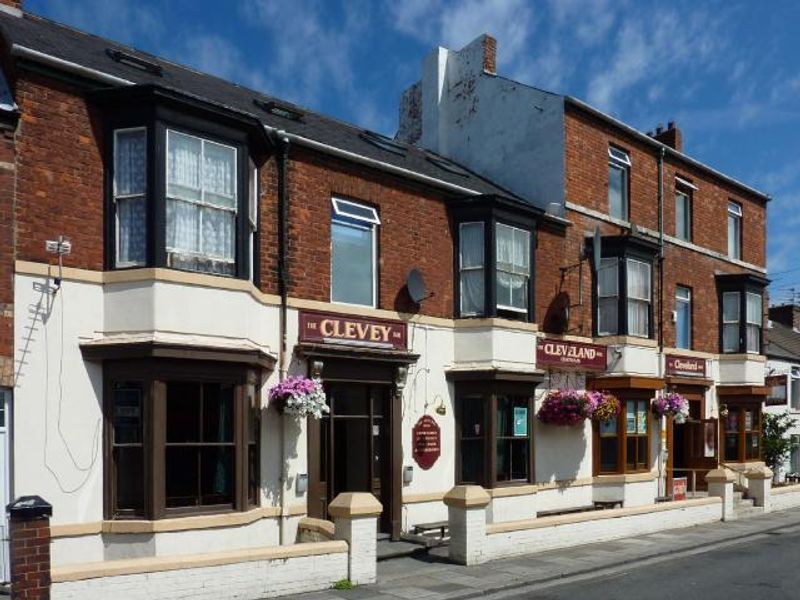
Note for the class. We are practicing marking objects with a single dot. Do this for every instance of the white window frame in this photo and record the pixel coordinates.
(202, 202)
(687, 300)
(685, 191)
(737, 322)
(462, 269)
(117, 262)
(630, 298)
(252, 215)
(606, 263)
(620, 160)
(735, 212)
(748, 323)
(367, 224)
(514, 232)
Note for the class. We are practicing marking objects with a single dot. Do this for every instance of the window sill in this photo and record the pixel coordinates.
(616, 478)
(627, 340)
(732, 356)
(506, 490)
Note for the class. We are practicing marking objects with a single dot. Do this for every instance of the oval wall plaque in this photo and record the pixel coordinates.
(426, 442)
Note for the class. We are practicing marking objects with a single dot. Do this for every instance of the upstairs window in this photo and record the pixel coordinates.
(639, 297)
(608, 297)
(741, 313)
(130, 196)
(513, 268)
(472, 274)
(734, 230)
(683, 318)
(683, 210)
(354, 253)
(619, 164)
(201, 204)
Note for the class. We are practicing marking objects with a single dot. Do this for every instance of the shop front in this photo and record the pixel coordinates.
(357, 446)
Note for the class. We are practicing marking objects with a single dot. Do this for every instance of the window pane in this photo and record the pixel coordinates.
(732, 447)
(129, 475)
(754, 314)
(505, 246)
(682, 216)
(638, 280)
(607, 277)
(472, 299)
(183, 166)
(683, 324)
(607, 316)
(351, 263)
(471, 245)
(642, 419)
(734, 236)
(617, 192)
(218, 412)
(131, 231)
(472, 461)
(638, 318)
(730, 307)
(630, 417)
(219, 174)
(130, 163)
(183, 226)
(753, 338)
(608, 454)
(127, 413)
(182, 475)
(183, 412)
(641, 452)
(218, 234)
(216, 475)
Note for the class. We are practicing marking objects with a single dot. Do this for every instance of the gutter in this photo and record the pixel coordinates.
(65, 65)
(669, 150)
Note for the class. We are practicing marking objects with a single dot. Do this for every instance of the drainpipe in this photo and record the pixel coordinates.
(663, 458)
(282, 158)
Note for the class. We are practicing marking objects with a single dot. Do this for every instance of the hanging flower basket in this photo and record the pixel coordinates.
(299, 397)
(565, 408)
(603, 405)
(671, 404)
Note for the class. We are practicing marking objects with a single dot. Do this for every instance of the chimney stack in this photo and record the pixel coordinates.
(489, 54)
(788, 315)
(671, 136)
(13, 7)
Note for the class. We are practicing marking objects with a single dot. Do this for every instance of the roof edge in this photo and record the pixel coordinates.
(656, 144)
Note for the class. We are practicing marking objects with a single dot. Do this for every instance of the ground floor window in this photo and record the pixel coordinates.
(622, 445)
(494, 422)
(743, 432)
(182, 437)
(794, 456)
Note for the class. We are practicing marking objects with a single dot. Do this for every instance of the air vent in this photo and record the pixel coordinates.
(383, 142)
(279, 110)
(124, 58)
(446, 165)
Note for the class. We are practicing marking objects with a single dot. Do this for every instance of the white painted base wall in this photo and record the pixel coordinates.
(784, 498)
(583, 531)
(243, 581)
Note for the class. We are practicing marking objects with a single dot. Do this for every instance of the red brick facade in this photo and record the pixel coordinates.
(30, 558)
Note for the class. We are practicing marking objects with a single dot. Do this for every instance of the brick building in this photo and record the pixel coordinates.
(175, 245)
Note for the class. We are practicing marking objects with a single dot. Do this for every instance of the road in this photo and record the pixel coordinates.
(766, 566)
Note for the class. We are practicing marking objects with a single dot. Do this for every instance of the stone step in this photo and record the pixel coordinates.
(744, 513)
(744, 503)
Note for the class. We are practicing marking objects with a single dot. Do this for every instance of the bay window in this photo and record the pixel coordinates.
(623, 287)
(181, 438)
(354, 253)
(743, 432)
(182, 187)
(493, 428)
(741, 312)
(494, 258)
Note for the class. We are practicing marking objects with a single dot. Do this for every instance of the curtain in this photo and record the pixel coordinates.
(201, 204)
(471, 262)
(730, 320)
(754, 317)
(130, 187)
(638, 276)
(607, 294)
(513, 269)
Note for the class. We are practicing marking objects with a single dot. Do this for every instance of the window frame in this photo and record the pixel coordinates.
(623, 436)
(736, 212)
(687, 300)
(624, 249)
(461, 269)
(156, 117)
(620, 160)
(115, 197)
(367, 224)
(153, 375)
(487, 393)
(493, 211)
(742, 433)
(684, 189)
(514, 232)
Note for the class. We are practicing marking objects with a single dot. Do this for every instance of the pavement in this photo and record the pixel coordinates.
(433, 577)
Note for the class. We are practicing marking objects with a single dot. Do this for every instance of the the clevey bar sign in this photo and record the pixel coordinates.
(564, 354)
(357, 331)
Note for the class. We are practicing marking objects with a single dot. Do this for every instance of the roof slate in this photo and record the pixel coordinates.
(87, 50)
(783, 342)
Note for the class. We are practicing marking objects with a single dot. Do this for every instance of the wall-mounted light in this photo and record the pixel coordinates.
(408, 474)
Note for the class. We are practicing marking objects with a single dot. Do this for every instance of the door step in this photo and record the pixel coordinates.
(388, 549)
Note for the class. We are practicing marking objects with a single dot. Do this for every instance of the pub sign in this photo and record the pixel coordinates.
(358, 331)
(685, 365)
(564, 354)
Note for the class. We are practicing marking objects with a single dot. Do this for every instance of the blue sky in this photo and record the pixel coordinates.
(727, 72)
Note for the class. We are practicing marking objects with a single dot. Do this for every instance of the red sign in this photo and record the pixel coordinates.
(357, 331)
(559, 353)
(679, 488)
(685, 365)
(426, 441)
(776, 392)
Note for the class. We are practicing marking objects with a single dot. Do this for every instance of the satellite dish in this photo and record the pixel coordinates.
(597, 250)
(416, 286)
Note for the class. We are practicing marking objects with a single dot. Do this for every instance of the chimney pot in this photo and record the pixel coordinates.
(489, 54)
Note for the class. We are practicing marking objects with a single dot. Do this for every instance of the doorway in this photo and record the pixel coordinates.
(355, 445)
(692, 446)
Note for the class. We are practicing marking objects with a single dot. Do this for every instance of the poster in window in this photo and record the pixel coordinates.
(710, 437)
(630, 426)
(748, 420)
(642, 420)
(520, 421)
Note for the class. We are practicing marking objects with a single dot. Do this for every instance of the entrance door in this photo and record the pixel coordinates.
(694, 450)
(355, 443)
